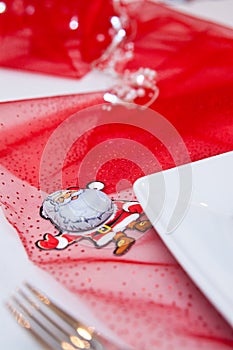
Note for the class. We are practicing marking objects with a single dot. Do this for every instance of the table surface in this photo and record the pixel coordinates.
(23, 85)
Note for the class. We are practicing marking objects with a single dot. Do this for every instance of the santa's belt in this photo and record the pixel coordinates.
(104, 229)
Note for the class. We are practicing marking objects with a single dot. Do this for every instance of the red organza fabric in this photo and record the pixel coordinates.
(55, 37)
(144, 295)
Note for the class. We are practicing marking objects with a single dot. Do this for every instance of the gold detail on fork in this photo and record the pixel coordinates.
(81, 344)
(86, 334)
(45, 300)
(49, 324)
(38, 294)
(67, 346)
(18, 316)
(23, 322)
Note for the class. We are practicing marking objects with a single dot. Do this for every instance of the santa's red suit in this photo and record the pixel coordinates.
(124, 214)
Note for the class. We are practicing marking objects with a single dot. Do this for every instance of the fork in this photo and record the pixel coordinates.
(52, 326)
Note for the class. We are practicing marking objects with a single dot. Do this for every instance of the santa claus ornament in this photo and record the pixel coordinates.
(91, 216)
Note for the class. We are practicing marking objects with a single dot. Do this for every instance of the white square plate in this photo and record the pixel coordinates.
(191, 208)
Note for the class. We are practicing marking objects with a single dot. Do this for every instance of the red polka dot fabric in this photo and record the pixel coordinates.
(58, 143)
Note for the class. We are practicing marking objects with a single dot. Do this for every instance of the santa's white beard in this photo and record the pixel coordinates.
(90, 210)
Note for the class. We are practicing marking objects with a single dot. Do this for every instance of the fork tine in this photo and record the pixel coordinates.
(64, 334)
(24, 322)
(61, 313)
(35, 319)
(46, 316)
(84, 331)
(51, 325)
(50, 339)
